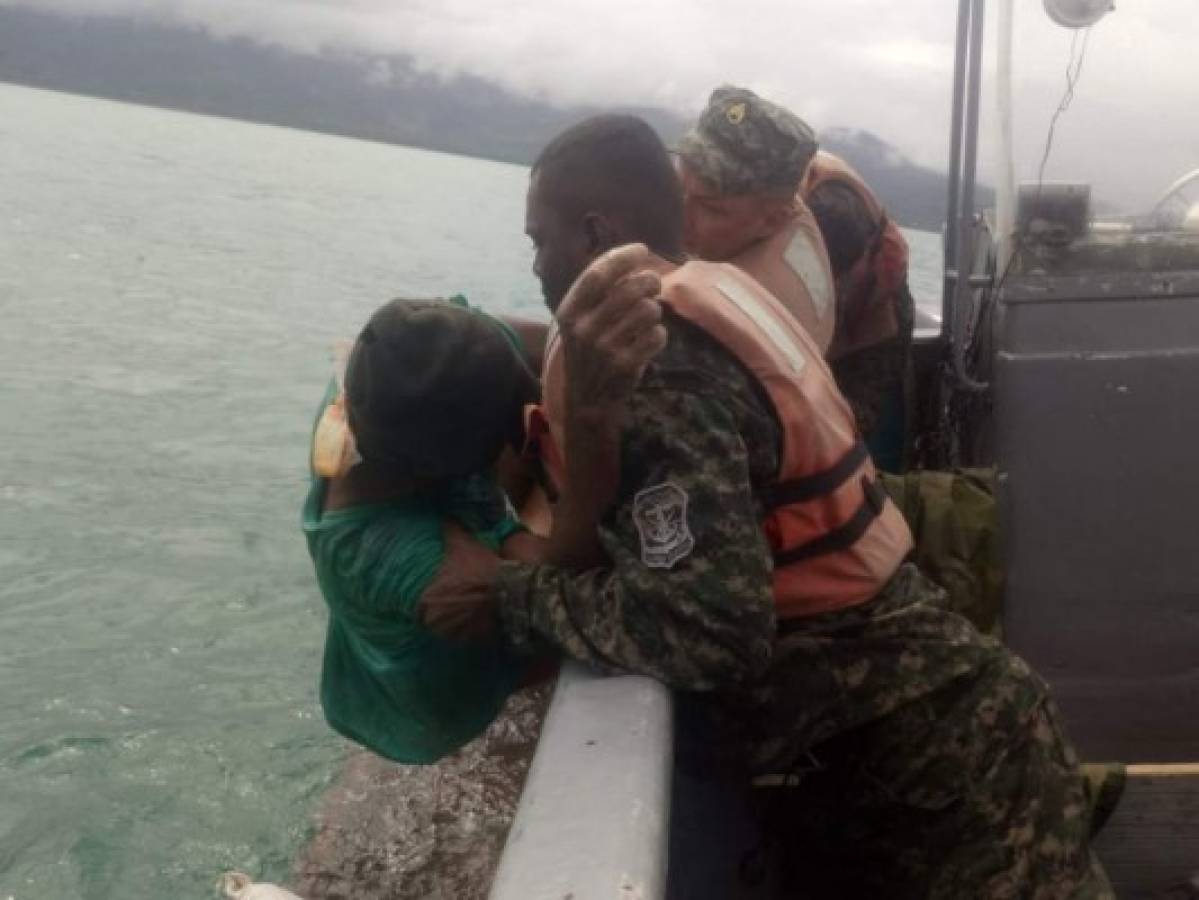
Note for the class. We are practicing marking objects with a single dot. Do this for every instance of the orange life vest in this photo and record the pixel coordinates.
(793, 266)
(835, 537)
(866, 308)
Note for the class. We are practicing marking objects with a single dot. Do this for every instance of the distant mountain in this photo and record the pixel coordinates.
(376, 98)
(915, 196)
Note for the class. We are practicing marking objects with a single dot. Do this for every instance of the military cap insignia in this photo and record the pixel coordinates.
(660, 513)
(735, 113)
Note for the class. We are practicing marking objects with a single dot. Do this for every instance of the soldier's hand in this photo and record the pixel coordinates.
(457, 604)
(610, 326)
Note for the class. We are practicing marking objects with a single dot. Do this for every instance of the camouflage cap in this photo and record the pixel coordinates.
(744, 144)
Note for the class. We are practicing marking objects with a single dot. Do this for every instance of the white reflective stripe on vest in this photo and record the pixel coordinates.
(745, 301)
(807, 261)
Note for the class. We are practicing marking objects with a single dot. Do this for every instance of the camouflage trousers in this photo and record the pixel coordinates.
(900, 753)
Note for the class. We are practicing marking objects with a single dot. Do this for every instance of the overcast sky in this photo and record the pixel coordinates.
(882, 65)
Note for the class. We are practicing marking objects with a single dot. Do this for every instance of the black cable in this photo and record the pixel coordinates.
(958, 408)
(1073, 72)
(953, 407)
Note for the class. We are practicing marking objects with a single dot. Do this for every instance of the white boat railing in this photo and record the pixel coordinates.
(593, 821)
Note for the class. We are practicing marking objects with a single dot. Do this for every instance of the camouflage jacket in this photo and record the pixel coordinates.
(687, 598)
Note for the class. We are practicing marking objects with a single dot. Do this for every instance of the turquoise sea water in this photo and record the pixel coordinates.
(170, 285)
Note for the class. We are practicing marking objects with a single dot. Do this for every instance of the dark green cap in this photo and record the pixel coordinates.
(436, 388)
(743, 144)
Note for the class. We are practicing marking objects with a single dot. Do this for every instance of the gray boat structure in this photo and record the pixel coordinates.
(1067, 357)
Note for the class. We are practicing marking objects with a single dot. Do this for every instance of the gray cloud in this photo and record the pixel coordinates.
(883, 66)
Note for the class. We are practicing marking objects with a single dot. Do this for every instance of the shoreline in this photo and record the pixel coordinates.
(385, 830)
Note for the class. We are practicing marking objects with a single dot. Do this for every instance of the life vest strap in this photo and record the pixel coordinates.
(818, 484)
(880, 231)
(540, 450)
(843, 537)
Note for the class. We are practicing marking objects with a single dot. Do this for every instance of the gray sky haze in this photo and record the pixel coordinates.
(879, 65)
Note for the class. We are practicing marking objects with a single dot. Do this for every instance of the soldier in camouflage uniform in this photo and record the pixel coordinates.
(746, 147)
(912, 757)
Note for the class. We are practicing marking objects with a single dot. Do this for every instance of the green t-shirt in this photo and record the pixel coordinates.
(387, 682)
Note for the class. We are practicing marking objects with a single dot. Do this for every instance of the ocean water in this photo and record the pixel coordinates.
(169, 288)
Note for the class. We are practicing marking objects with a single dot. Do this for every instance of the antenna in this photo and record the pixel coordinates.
(1078, 13)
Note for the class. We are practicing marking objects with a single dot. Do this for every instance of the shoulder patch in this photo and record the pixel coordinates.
(660, 513)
